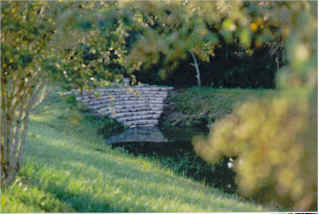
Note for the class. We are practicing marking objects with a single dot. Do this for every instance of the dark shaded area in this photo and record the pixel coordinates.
(178, 155)
(110, 127)
(181, 159)
(231, 67)
(138, 134)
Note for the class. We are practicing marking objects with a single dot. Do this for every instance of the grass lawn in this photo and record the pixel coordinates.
(194, 105)
(67, 168)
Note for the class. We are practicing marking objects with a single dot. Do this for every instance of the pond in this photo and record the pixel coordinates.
(173, 149)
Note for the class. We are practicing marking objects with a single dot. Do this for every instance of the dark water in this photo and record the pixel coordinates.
(173, 149)
(154, 135)
(153, 140)
(139, 135)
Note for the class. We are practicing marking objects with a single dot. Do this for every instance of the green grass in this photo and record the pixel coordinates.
(67, 168)
(192, 105)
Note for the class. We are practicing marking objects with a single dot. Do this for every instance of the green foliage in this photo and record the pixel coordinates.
(174, 29)
(276, 150)
(27, 29)
(96, 56)
(274, 138)
(68, 168)
(111, 127)
(38, 44)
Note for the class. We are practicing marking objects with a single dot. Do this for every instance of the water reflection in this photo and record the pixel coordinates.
(154, 135)
(138, 134)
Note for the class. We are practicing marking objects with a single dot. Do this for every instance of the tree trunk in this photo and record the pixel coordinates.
(195, 64)
(17, 98)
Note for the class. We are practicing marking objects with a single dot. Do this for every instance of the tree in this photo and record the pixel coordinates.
(171, 31)
(96, 56)
(168, 32)
(24, 45)
(196, 66)
(34, 41)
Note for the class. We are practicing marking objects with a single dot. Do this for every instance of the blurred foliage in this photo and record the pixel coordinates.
(277, 151)
(275, 138)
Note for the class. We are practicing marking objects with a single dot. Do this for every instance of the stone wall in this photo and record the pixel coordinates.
(139, 106)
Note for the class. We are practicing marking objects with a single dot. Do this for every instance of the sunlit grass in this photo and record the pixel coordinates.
(214, 103)
(68, 168)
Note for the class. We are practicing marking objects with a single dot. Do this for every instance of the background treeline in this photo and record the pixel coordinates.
(227, 64)
(231, 67)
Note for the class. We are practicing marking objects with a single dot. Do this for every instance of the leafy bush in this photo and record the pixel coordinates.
(276, 145)
(110, 127)
(275, 138)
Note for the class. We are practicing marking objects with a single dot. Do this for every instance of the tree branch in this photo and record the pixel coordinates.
(195, 64)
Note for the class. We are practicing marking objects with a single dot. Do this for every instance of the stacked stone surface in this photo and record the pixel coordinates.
(139, 106)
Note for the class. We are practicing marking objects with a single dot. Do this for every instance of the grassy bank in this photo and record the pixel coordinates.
(67, 168)
(200, 107)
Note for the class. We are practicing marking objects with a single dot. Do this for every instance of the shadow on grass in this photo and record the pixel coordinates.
(79, 201)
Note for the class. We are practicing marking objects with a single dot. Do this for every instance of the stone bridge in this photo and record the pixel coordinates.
(139, 106)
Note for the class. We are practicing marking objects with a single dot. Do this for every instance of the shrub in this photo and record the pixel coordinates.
(275, 138)
(275, 141)
(110, 127)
